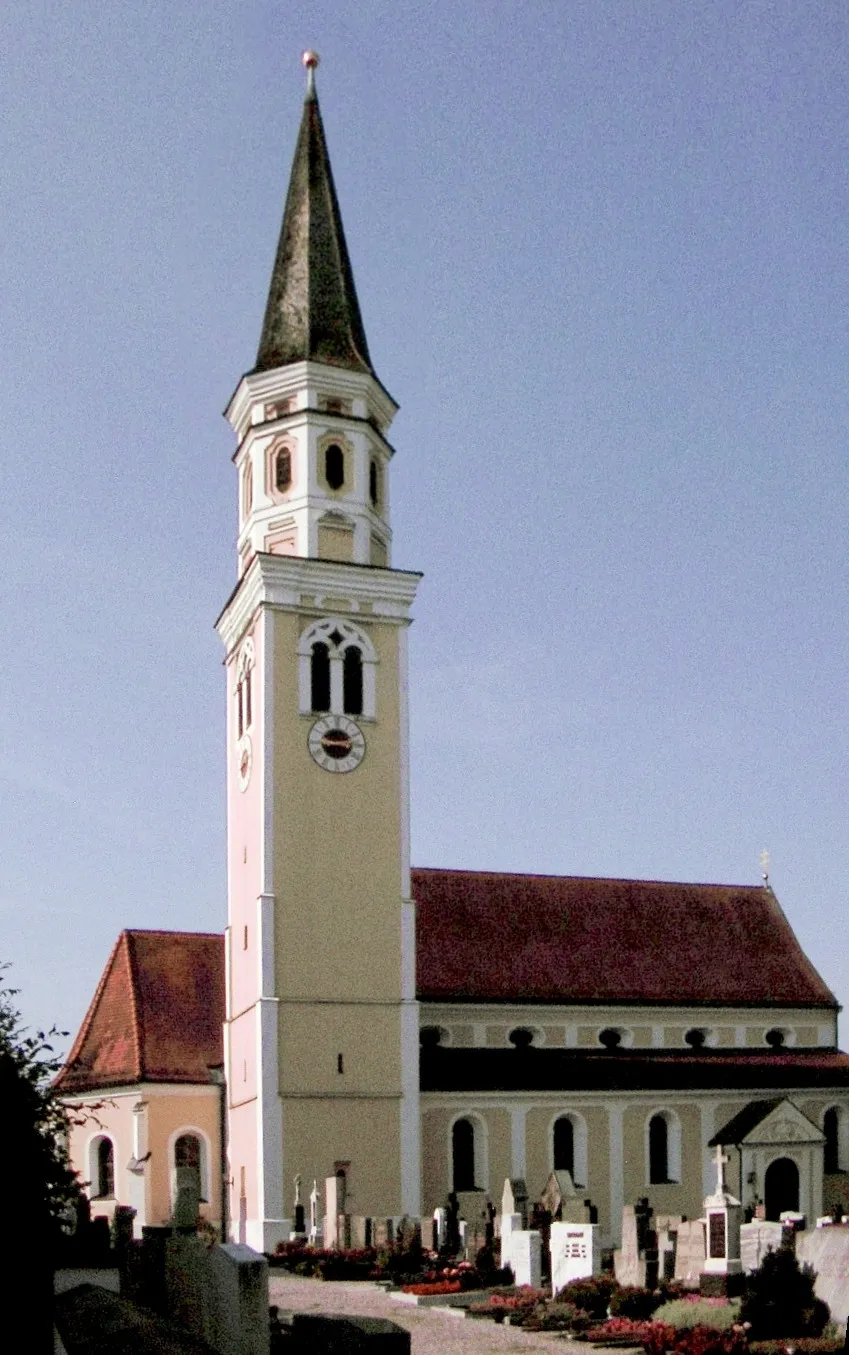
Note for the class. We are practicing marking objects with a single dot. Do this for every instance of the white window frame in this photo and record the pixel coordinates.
(319, 633)
(579, 1143)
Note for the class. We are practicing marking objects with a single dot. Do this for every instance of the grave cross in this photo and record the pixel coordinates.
(721, 1160)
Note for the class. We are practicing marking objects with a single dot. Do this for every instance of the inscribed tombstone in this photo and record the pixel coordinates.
(526, 1258)
(575, 1253)
(827, 1250)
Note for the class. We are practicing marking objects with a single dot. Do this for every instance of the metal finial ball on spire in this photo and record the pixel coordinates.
(309, 60)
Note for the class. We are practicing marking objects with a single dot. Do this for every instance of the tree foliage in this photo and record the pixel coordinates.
(780, 1299)
(40, 1180)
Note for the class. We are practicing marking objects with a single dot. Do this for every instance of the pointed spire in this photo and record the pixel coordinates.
(312, 310)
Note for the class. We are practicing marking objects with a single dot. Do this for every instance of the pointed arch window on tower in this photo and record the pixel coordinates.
(334, 466)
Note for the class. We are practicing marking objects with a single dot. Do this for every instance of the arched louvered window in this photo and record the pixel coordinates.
(320, 676)
(352, 681)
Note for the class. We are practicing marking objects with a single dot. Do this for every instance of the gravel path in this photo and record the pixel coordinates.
(433, 1332)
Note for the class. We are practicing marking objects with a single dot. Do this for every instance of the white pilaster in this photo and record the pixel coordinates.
(518, 1160)
(616, 1158)
(707, 1129)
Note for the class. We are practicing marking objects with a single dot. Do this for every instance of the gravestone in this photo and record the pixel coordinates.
(299, 1229)
(452, 1240)
(360, 1231)
(558, 1188)
(629, 1263)
(575, 1253)
(187, 1203)
(666, 1230)
(723, 1214)
(440, 1228)
(334, 1208)
(756, 1239)
(315, 1234)
(526, 1258)
(690, 1252)
(514, 1197)
(827, 1250)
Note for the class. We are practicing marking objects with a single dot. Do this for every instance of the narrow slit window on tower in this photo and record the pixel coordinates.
(240, 710)
(283, 470)
(374, 483)
(248, 712)
(247, 489)
(320, 676)
(334, 466)
(352, 681)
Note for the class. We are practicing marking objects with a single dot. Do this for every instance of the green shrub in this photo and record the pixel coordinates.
(684, 1314)
(780, 1302)
(631, 1301)
(591, 1296)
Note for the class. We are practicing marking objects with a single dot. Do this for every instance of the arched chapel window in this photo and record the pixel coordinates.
(463, 1155)
(658, 1150)
(334, 466)
(188, 1161)
(105, 1178)
(564, 1146)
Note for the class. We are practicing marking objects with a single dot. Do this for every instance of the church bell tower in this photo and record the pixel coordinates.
(321, 1033)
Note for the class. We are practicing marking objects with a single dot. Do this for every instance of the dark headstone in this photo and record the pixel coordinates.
(319, 1334)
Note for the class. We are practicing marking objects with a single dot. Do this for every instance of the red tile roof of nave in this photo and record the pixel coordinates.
(542, 938)
(156, 1016)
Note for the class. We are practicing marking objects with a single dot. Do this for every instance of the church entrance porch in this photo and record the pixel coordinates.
(781, 1188)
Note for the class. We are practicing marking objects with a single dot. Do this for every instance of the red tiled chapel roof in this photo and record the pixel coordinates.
(156, 1016)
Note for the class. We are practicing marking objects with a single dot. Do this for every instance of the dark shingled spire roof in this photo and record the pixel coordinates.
(312, 311)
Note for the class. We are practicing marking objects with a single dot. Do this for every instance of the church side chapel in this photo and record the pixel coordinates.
(598, 1040)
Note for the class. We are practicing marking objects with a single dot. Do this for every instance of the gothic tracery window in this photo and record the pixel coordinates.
(337, 669)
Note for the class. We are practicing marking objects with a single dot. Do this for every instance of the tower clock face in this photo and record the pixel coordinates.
(336, 743)
(244, 761)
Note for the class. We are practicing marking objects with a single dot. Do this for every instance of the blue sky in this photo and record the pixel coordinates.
(602, 258)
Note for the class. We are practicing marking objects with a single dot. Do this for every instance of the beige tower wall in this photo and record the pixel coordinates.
(337, 868)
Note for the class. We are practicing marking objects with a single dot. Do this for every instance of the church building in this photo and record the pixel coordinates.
(417, 1031)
